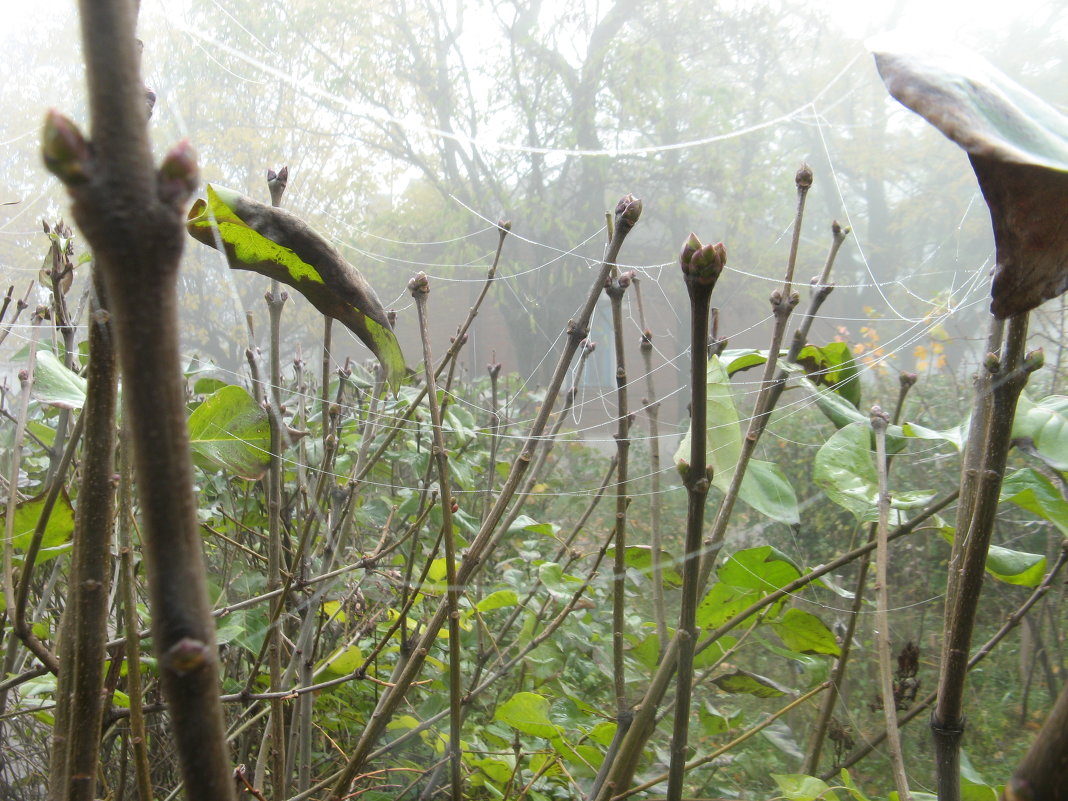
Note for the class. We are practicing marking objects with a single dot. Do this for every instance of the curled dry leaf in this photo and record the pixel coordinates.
(1018, 146)
(278, 244)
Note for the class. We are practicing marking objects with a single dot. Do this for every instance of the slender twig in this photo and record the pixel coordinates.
(420, 289)
(20, 305)
(138, 732)
(651, 407)
(25, 386)
(276, 299)
(21, 625)
(812, 758)
(614, 289)
(879, 421)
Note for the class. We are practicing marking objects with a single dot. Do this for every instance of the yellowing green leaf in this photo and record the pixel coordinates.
(275, 243)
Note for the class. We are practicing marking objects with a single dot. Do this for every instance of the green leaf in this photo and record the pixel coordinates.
(832, 366)
(497, 600)
(805, 633)
(798, 787)
(1046, 424)
(842, 413)
(724, 437)
(713, 653)
(57, 531)
(640, 558)
(1018, 146)
(495, 768)
(1030, 490)
(208, 385)
(763, 568)
(529, 713)
(342, 661)
(766, 488)
(1012, 567)
(275, 243)
(560, 584)
(56, 385)
(851, 786)
(738, 359)
(722, 602)
(742, 681)
(232, 431)
(714, 722)
(845, 470)
(1015, 567)
(525, 523)
(955, 435)
(782, 737)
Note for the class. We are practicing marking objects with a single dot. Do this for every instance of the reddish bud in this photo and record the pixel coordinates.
(702, 263)
(65, 151)
(455, 507)
(628, 210)
(178, 174)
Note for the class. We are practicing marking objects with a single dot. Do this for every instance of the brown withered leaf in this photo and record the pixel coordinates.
(1018, 146)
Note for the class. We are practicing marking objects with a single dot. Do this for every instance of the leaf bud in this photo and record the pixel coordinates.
(628, 210)
(419, 284)
(504, 225)
(178, 174)
(276, 183)
(66, 152)
(803, 179)
(702, 263)
(907, 380)
(879, 419)
(187, 655)
(689, 247)
(1034, 360)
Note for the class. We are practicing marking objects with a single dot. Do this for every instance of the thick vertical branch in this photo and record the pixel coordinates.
(133, 217)
(1005, 376)
(701, 267)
